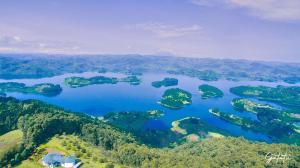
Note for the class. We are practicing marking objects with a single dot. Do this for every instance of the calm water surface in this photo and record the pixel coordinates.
(97, 100)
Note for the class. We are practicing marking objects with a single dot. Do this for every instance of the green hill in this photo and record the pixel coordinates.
(40, 122)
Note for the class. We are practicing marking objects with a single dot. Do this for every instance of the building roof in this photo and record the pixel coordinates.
(56, 158)
(70, 159)
(53, 158)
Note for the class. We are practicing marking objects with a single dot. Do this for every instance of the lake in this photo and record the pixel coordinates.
(97, 100)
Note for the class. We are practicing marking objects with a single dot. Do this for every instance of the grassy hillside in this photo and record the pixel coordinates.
(10, 141)
(70, 145)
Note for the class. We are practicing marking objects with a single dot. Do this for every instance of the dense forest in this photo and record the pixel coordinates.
(39, 122)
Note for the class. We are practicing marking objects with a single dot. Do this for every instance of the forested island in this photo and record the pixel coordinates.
(45, 89)
(283, 95)
(268, 123)
(194, 129)
(165, 82)
(97, 143)
(176, 98)
(75, 82)
(241, 104)
(208, 91)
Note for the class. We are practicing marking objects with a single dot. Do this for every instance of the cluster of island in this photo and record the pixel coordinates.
(277, 123)
(189, 129)
(30, 128)
(75, 82)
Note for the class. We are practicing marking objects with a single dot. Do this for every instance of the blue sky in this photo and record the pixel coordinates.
(238, 29)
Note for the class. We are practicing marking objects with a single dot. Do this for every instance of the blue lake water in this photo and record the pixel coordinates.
(97, 100)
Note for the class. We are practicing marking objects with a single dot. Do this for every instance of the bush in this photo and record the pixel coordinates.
(109, 165)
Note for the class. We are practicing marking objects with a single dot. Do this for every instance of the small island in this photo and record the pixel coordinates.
(283, 95)
(155, 113)
(176, 98)
(165, 82)
(132, 80)
(195, 129)
(208, 91)
(75, 82)
(45, 89)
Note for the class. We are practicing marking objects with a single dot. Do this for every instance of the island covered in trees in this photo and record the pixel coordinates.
(176, 98)
(165, 82)
(45, 89)
(267, 122)
(194, 129)
(208, 91)
(75, 82)
(283, 95)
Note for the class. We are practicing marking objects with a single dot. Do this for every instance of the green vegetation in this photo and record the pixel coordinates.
(265, 111)
(241, 105)
(46, 89)
(194, 129)
(134, 122)
(208, 91)
(176, 98)
(187, 129)
(9, 143)
(155, 113)
(75, 82)
(133, 80)
(69, 145)
(165, 82)
(40, 122)
(283, 95)
(269, 124)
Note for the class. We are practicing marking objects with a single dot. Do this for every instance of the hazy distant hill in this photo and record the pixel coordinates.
(43, 65)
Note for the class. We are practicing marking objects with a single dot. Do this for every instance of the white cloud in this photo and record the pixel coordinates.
(282, 10)
(18, 44)
(164, 30)
(275, 10)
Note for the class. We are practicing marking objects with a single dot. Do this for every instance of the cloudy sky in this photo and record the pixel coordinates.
(244, 29)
